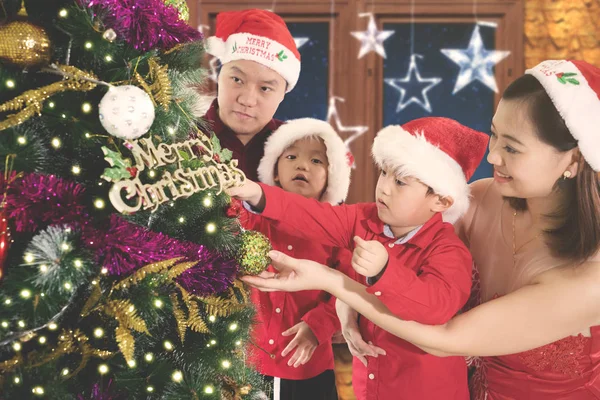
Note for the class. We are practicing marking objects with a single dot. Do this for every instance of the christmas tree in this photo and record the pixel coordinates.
(119, 249)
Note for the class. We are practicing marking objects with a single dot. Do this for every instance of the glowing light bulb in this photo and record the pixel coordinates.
(211, 227)
(177, 376)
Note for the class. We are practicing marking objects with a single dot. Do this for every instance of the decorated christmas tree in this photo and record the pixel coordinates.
(119, 249)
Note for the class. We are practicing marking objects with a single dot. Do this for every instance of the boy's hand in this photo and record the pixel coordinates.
(357, 346)
(305, 340)
(369, 257)
(249, 192)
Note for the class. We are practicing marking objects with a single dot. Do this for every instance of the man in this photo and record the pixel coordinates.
(260, 64)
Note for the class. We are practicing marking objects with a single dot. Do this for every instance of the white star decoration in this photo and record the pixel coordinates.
(371, 39)
(356, 131)
(475, 62)
(424, 84)
(300, 41)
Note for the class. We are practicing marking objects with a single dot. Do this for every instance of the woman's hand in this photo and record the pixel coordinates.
(294, 275)
(357, 346)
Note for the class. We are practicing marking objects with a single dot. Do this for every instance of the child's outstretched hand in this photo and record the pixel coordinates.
(369, 258)
(249, 192)
(305, 341)
(357, 346)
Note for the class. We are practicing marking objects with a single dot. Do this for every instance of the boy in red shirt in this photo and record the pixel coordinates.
(421, 269)
(260, 64)
(293, 333)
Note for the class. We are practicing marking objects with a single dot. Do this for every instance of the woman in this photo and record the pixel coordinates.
(534, 232)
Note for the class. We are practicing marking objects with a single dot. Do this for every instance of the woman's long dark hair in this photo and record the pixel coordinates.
(576, 232)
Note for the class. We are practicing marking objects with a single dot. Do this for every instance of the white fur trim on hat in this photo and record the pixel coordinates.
(267, 52)
(578, 105)
(338, 179)
(412, 155)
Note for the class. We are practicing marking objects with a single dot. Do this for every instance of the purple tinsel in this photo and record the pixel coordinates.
(213, 274)
(144, 24)
(36, 201)
(125, 247)
(99, 393)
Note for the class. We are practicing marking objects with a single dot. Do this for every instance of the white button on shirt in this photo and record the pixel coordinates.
(278, 310)
(271, 341)
(377, 293)
(290, 247)
(371, 376)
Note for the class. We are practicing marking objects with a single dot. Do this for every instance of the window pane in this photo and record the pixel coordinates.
(472, 106)
(309, 97)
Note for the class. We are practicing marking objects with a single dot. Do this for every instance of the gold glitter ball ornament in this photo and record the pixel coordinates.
(181, 6)
(24, 44)
(253, 256)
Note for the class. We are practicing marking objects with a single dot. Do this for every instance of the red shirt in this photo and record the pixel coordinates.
(248, 155)
(279, 311)
(427, 279)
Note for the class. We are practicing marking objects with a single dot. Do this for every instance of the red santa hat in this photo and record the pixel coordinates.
(338, 178)
(574, 87)
(440, 152)
(256, 35)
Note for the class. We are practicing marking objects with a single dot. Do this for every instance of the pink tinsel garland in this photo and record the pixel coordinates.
(144, 24)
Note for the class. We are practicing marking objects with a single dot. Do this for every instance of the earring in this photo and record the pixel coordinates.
(567, 174)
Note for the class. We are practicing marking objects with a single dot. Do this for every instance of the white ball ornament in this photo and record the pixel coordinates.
(126, 112)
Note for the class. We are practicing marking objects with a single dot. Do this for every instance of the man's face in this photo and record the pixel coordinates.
(249, 94)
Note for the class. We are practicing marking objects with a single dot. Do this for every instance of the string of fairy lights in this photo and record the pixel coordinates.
(29, 259)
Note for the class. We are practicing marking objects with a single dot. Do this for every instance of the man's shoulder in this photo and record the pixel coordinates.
(276, 123)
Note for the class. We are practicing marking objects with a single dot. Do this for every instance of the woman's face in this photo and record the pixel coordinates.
(524, 166)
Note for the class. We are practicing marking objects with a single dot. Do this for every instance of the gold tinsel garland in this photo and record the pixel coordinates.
(31, 102)
(230, 389)
(124, 312)
(69, 342)
(180, 318)
(141, 273)
(160, 90)
(225, 306)
(11, 364)
(195, 321)
(126, 315)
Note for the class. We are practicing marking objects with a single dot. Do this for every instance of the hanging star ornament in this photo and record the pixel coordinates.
(371, 39)
(403, 85)
(475, 62)
(300, 41)
(355, 131)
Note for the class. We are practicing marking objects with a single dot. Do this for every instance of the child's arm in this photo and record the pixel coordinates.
(357, 346)
(248, 220)
(299, 216)
(323, 319)
(434, 294)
